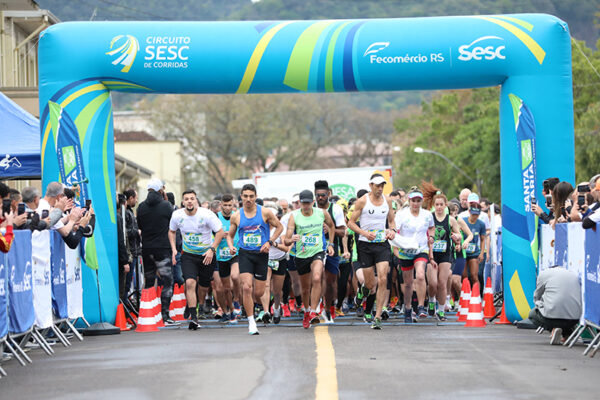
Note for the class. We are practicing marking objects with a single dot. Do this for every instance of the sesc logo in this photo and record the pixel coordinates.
(470, 52)
(376, 47)
(128, 49)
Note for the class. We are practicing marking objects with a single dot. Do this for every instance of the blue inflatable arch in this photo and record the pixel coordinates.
(529, 55)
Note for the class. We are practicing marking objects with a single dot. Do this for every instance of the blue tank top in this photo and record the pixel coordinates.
(223, 253)
(254, 232)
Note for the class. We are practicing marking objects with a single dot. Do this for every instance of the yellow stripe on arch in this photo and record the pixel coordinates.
(518, 295)
(259, 50)
(531, 44)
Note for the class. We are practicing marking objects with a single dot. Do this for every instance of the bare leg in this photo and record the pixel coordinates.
(420, 284)
(382, 273)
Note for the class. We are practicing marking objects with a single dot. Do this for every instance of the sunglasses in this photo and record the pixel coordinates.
(474, 205)
(321, 194)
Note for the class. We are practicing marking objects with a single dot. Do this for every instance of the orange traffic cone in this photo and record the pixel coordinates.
(488, 300)
(147, 319)
(156, 307)
(178, 304)
(465, 297)
(120, 320)
(475, 317)
(503, 320)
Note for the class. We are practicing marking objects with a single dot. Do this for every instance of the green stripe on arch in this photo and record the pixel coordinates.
(329, 59)
(298, 69)
(109, 195)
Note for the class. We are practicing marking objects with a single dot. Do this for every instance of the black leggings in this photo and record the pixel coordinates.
(287, 283)
(343, 277)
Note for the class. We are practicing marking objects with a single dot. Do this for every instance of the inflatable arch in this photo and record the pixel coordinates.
(529, 55)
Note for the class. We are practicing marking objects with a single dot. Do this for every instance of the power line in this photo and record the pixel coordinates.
(134, 9)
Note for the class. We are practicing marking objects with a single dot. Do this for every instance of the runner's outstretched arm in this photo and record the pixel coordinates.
(233, 226)
(330, 234)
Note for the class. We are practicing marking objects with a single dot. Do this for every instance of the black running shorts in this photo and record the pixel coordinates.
(370, 254)
(225, 267)
(253, 262)
(303, 264)
(192, 267)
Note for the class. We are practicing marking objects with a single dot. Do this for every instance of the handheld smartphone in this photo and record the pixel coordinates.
(548, 201)
(21, 209)
(88, 203)
(45, 214)
(583, 188)
(581, 200)
(6, 206)
(533, 200)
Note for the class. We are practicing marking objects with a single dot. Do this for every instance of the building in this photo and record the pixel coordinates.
(21, 22)
(162, 157)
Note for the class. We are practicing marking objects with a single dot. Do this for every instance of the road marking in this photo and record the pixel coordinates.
(327, 386)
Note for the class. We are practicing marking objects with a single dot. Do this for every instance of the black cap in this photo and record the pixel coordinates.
(306, 196)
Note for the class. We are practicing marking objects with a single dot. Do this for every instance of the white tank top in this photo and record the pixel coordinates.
(373, 219)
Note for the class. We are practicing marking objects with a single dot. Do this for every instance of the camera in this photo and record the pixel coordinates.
(582, 190)
(6, 206)
(21, 209)
(45, 214)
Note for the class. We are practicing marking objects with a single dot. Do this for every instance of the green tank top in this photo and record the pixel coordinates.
(310, 230)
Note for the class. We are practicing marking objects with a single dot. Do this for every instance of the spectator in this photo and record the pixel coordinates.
(133, 234)
(18, 221)
(6, 222)
(561, 201)
(463, 199)
(31, 197)
(15, 199)
(557, 300)
(123, 252)
(153, 217)
(177, 272)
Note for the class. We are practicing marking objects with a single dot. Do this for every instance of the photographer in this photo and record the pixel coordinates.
(592, 217)
(582, 199)
(6, 220)
(548, 187)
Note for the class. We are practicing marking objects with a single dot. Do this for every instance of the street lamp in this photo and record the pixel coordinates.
(476, 182)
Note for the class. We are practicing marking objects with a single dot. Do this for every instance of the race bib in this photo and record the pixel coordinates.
(379, 235)
(252, 239)
(471, 247)
(310, 239)
(274, 265)
(408, 252)
(224, 252)
(193, 239)
(440, 246)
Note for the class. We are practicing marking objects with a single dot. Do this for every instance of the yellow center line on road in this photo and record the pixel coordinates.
(327, 385)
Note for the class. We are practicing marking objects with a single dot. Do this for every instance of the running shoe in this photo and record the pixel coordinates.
(431, 310)
(376, 324)
(556, 336)
(233, 318)
(402, 309)
(440, 316)
(193, 324)
(237, 310)
(422, 313)
(276, 317)
(260, 317)
(306, 320)
(339, 312)
(447, 307)
(332, 312)
(266, 318)
(286, 311)
(314, 318)
(385, 314)
(186, 313)
(293, 305)
(360, 311)
(368, 318)
(393, 302)
(169, 321)
(252, 329)
(345, 307)
(327, 317)
(225, 318)
(408, 316)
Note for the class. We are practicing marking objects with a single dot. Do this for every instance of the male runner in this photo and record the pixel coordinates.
(332, 263)
(198, 260)
(228, 264)
(305, 229)
(252, 224)
(374, 210)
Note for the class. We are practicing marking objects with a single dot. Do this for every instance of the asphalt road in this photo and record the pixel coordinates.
(420, 361)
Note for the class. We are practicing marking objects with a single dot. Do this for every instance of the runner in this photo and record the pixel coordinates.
(277, 269)
(459, 253)
(447, 233)
(416, 223)
(332, 263)
(228, 265)
(305, 229)
(477, 249)
(198, 259)
(374, 210)
(252, 224)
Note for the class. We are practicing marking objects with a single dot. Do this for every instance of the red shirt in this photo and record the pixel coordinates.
(6, 239)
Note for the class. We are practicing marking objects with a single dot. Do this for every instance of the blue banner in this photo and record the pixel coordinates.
(20, 294)
(592, 275)
(59, 276)
(3, 297)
